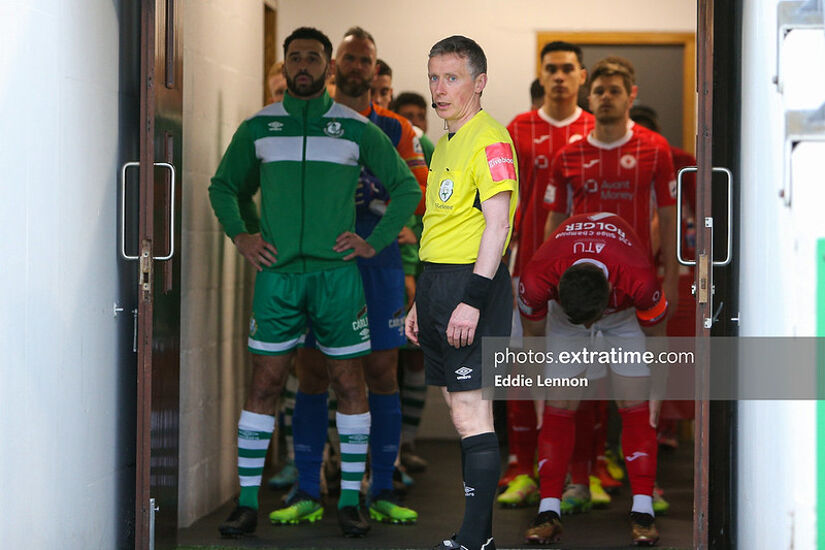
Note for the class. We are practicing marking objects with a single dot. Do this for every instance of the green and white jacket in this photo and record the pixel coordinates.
(305, 156)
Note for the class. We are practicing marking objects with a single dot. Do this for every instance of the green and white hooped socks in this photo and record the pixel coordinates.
(254, 433)
(354, 433)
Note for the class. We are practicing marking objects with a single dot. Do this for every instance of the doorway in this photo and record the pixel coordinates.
(232, 317)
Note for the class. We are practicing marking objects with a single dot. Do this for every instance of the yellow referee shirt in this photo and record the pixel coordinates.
(476, 164)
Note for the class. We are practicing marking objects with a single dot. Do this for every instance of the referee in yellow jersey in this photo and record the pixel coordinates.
(464, 292)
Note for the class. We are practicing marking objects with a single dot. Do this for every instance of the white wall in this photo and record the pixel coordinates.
(776, 466)
(59, 414)
(505, 30)
(223, 84)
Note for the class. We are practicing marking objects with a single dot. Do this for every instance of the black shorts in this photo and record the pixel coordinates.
(439, 290)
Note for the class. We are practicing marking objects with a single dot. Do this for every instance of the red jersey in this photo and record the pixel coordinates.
(682, 158)
(622, 177)
(607, 241)
(537, 139)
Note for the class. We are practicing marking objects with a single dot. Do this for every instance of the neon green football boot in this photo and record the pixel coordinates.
(299, 509)
(385, 508)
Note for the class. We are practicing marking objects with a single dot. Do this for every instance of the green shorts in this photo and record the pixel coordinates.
(331, 300)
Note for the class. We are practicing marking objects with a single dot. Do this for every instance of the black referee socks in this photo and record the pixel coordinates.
(482, 468)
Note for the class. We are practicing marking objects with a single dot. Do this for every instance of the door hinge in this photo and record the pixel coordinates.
(146, 270)
(703, 290)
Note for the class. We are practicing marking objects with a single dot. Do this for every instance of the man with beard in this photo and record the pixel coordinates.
(383, 279)
(305, 154)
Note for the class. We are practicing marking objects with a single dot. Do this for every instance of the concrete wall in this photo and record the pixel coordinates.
(63, 463)
(776, 465)
(223, 83)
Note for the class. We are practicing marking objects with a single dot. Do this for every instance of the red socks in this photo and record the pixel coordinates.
(599, 428)
(559, 442)
(639, 447)
(556, 440)
(521, 433)
(583, 449)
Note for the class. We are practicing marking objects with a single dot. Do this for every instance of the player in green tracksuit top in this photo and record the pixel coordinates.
(305, 155)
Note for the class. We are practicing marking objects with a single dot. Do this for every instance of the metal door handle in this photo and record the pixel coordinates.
(123, 211)
(679, 175)
(171, 212)
(729, 175)
(716, 169)
(123, 253)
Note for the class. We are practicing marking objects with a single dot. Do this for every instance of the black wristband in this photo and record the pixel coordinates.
(477, 290)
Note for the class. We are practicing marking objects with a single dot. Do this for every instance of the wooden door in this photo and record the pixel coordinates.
(717, 151)
(158, 333)
(704, 270)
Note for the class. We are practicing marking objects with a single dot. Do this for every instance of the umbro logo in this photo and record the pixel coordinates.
(635, 455)
(275, 126)
(463, 373)
(469, 491)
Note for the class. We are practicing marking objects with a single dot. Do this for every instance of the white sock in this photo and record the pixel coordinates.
(254, 433)
(643, 504)
(354, 433)
(550, 505)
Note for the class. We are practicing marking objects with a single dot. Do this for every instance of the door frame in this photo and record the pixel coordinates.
(726, 91)
(703, 272)
(145, 309)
